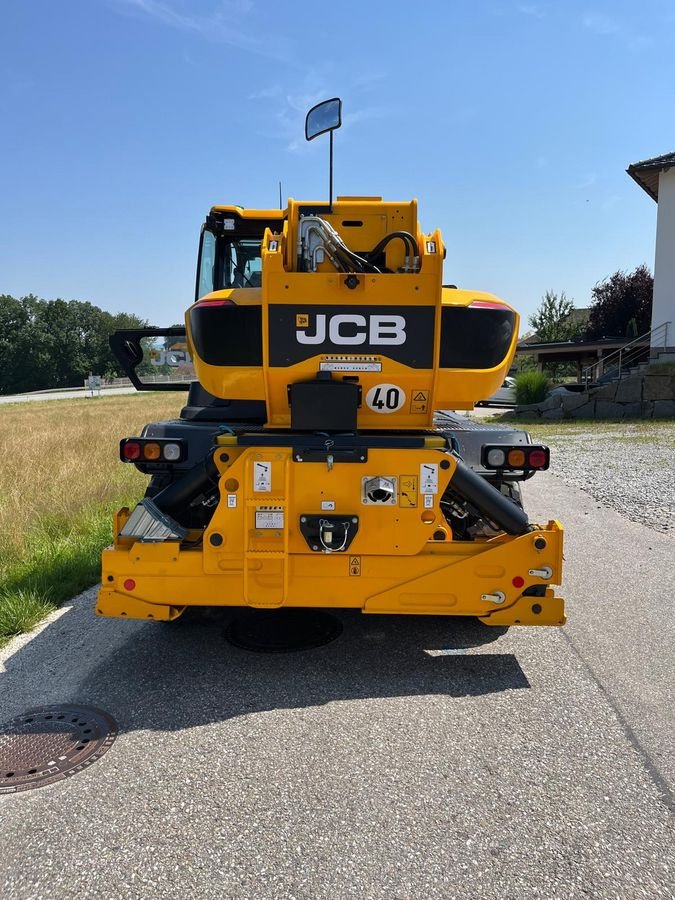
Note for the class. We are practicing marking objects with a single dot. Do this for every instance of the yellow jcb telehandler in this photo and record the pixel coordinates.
(319, 460)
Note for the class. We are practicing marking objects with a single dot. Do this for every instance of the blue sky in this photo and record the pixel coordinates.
(123, 121)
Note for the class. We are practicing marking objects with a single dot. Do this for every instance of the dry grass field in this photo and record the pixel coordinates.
(59, 483)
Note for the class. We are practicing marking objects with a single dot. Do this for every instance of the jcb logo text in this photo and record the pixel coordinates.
(351, 330)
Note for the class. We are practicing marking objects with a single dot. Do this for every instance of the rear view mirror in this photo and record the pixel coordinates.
(325, 116)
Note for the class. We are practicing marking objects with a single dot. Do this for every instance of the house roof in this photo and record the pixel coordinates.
(646, 173)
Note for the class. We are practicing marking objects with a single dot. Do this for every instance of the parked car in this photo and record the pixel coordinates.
(504, 396)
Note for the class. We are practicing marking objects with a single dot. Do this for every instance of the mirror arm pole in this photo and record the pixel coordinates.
(330, 165)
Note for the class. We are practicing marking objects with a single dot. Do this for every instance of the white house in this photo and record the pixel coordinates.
(657, 177)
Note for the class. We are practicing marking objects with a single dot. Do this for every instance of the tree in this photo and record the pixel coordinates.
(553, 320)
(622, 305)
(14, 321)
(57, 343)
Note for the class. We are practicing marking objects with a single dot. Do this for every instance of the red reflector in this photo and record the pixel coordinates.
(129, 584)
(204, 303)
(486, 304)
(518, 581)
(537, 459)
(131, 450)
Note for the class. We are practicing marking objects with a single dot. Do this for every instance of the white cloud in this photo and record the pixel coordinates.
(288, 106)
(587, 180)
(224, 24)
(605, 26)
(266, 93)
(599, 23)
(368, 81)
(535, 10)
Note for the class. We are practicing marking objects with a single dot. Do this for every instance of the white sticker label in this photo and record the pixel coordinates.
(328, 504)
(428, 501)
(385, 398)
(429, 478)
(269, 517)
(232, 501)
(330, 365)
(262, 477)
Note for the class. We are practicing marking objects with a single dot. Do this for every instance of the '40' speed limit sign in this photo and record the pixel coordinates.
(385, 398)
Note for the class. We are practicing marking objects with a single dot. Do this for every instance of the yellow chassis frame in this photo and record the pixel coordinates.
(396, 563)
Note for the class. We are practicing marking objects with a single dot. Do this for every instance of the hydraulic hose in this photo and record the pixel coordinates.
(488, 500)
(410, 243)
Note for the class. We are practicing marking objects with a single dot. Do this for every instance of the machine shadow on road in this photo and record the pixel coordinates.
(167, 678)
(174, 678)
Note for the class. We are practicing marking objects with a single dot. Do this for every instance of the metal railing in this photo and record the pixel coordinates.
(618, 363)
(146, 379)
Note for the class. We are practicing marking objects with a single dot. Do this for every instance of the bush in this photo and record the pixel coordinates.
(531, 387)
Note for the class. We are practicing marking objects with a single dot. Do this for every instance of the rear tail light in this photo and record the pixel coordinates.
(130, 451)
(172, 452)
(495, 457)
(152, 450)
(516, 459)
(539, 458)
(525, 457)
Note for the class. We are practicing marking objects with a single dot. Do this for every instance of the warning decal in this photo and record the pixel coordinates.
(354, 565)
(407, 491)
(429, 478)
(419, 402)
(262, 477)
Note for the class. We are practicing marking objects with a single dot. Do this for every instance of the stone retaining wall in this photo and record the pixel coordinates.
(641, 396)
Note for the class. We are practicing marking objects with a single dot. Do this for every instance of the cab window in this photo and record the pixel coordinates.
(207, 258)
(241, 265)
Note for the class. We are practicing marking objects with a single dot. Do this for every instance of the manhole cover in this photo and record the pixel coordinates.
(282, 630)
(54, 742)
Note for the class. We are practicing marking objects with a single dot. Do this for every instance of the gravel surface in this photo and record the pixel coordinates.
(629, 469)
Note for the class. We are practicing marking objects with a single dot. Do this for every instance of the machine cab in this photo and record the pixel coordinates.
(230, 248)
(346, 299)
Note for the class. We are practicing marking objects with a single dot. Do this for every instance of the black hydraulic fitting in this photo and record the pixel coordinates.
(177, 496)
(488, 500)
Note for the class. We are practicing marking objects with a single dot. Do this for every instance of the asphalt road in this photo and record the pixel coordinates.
(64, 395)
(410, 758)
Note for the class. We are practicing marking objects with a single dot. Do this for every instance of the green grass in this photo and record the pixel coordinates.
(64, 559)
(20, 611)
(60, 484)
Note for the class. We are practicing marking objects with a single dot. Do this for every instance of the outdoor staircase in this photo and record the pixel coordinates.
(633, 358)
